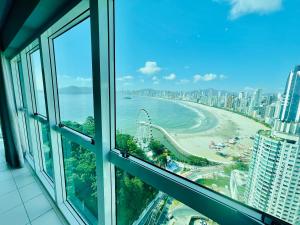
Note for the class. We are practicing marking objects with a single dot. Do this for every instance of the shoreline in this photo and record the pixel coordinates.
(229, 125)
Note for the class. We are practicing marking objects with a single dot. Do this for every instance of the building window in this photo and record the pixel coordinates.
(140, 203)
(74, 77)
(80, 177)
(181, 102)
(46, 149)
(36, 68)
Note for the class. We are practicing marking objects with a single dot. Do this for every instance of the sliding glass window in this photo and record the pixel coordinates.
(39, 105)
(73, 69)
(205, 92)
(22, 116)
(140, 203)
(45, 144)
(80, 177)
(36, 67)
(72, 51)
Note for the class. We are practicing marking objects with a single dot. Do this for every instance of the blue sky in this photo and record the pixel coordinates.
(193, 44)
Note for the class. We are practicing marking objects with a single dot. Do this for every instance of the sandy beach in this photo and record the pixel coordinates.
(229, 125)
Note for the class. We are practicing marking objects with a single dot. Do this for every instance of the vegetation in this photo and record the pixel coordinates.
(220, 181)
(132, 194)
(238, 165)
(88, 127)
(80, 165)
(192, 160)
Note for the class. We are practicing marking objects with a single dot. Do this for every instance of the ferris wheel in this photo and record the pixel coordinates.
(143, 135)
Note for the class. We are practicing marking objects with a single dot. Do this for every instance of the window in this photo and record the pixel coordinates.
(73, 70)
(23, 104)
(36, 67)
(140, 203)
(193, 111)
(194, 95)
(80, 176)
(46, 149)
(74, 76)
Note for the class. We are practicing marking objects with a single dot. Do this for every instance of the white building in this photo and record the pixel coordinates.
(274, 171)
(274, 175)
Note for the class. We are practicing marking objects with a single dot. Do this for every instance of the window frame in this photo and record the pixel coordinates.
(58, 29)
(101, 12)
(40, 119)
(29, 53)
(76, 15)
(23, 104)
(219, 208)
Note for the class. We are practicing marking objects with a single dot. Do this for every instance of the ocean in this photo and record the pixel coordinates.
(173, 116)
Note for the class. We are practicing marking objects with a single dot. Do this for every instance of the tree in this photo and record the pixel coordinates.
(157, 148)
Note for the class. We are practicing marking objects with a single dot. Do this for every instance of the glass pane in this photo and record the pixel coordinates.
(46, 149)
(80, 175)
(38, 82)
(74, 75)
(2, 154)
(210, 90)
(23, 119)
(140, 203)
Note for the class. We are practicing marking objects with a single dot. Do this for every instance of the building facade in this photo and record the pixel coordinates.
(274, 171)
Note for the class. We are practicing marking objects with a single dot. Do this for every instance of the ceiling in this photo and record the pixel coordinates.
(22, 21)
(5, 6)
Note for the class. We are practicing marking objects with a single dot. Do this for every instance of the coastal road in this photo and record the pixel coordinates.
(195, 174)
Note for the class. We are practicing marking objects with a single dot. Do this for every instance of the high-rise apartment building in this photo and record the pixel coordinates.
(274, 171)
(290, 111)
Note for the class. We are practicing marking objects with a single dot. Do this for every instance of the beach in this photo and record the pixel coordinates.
(229, 125)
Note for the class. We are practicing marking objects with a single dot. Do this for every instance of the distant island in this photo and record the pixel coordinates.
(75, 90)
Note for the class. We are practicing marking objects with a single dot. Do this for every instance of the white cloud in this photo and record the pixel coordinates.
(250, 89)
(172, 76)
(83, 79)
(125, 78)
(183, 81)
(197, 77)
(154, 78)
(127, 84)
(222, 77)
(156, 82)
(150, 67)
(206, 77)
(243, 7)
(79, 81)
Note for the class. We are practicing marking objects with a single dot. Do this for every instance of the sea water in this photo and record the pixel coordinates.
(172, 115)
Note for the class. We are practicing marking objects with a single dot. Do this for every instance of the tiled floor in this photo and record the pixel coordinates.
(22, 200)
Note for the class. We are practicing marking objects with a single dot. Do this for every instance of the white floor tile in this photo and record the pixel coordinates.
(5, 175)
(9, 201)
(30, 191)
(21, 171)
(49, 218)
(7, 186)
(15, 216)
(3, 167)
(37, 206)
(23, 180)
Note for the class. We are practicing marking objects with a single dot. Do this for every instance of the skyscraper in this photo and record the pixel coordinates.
(274, 171)
(255, 101)
(290, 110)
